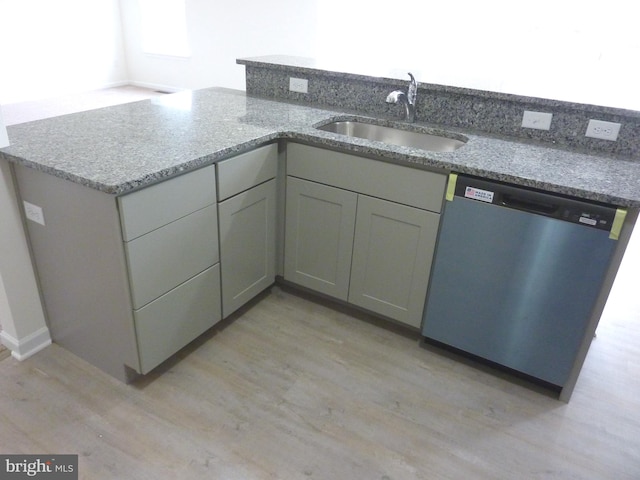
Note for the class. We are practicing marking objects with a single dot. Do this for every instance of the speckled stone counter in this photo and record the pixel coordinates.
(122, 148)
(486, 111)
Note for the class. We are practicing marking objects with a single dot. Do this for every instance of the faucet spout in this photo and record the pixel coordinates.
(412, 90)
(407, 99)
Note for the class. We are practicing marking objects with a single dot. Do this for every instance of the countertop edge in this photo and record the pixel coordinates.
(390, 154)
(147, 180)
(426, 162)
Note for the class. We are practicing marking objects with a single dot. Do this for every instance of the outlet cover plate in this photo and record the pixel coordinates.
(537, 120)
(33, 212)
(603, 130)
(300, 85)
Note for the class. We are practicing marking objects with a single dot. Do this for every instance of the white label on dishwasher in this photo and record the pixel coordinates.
(588, 221)
(477, 194)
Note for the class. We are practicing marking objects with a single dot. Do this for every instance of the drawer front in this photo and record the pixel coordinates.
(170, 255)
(406, 185)
(172, 321)
(247, 170)
(157, 205)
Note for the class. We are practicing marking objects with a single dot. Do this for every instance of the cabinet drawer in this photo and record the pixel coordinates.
(157, 205)
(247, 170)
(170, 255)
(172, 321)
(406, 185)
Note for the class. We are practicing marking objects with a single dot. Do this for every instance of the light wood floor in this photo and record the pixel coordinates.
(294, 389)
(14, 113)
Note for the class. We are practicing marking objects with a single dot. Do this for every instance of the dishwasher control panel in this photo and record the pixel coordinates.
(565, 208)
(601, 220)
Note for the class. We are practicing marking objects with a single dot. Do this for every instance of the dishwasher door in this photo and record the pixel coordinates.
(513, 287)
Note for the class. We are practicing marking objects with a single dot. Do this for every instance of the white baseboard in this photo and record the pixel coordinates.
(156, 86)
(27, 346)
(121, 83)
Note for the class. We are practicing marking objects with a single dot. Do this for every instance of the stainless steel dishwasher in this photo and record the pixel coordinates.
(516, 275)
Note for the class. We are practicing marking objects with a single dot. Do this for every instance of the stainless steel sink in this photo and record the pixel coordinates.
(394, 136)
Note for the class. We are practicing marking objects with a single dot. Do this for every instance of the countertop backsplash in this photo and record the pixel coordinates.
(488, 112)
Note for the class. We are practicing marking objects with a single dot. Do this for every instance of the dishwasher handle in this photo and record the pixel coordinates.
(519, 202)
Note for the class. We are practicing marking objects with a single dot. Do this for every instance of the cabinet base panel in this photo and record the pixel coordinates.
(349, 308)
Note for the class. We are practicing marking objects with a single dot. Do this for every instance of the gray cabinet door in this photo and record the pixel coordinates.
(170, 322)
(392, 254)
(247, 245)
(320, 221)
(170, 255)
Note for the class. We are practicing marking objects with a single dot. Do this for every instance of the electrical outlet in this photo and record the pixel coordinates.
(300, 85)
(603, 130)
(33, 212)
(537, 120)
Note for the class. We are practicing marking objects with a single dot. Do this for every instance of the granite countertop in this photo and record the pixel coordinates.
(125, 147)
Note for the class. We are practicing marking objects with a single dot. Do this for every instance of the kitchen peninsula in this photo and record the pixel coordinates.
(128, 189)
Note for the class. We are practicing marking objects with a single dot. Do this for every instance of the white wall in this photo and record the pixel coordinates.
(52, 47)
(47, 48)
(24, 329)
(4, 139)
(220, 32)
(20, 307)
(575, 50)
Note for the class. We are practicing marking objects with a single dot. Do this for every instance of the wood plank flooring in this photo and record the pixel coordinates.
(293, 389)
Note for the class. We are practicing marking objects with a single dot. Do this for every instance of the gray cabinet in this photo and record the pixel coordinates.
(173, 320)
(247, 245)
(168, 256)
(392, 251)
(319, 228)
(247, 222)
(126, 281)
(171, 246)
(361, 230)
(152, 207)
(82, 271)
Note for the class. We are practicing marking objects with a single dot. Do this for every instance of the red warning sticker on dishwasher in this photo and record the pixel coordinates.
(478, 194)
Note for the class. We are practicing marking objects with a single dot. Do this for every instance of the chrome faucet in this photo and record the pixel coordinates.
(407, 99)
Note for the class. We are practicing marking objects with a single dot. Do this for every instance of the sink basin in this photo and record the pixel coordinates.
(394, 136)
